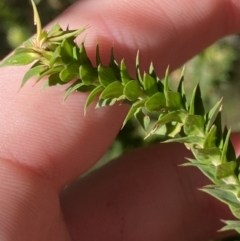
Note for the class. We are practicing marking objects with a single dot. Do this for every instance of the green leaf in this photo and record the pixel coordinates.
(173, 100)
(37, 21)
(98, 57)
(20, 59)
(114, 65)
(56, 30)
(73, 88)
(225, 170)
(196, 104)
(106, 75)
(194, 125)
(125, 77)
(142, 119)
(69, 73)
(211, 115)
(172, 129)
(193, 140)
(67, 34)
(92, 96)
(149, 85)
(231, 225)
(106, 102)
(51, 71)
(219, 135)
(175, 116)
(208, 155)
(132, 90)
(134, 108)
(181, 90)
(152, 72)
(228, 153)
(52, 81)
(56, 57)
(34, 71)
(210, 140)
(113, 90)
(25, 50)
(83, 58)
(156, 102)
(138, 72)
(166, 82)
(88, 74)
(207, 169)
(222, 195)
(66, 51)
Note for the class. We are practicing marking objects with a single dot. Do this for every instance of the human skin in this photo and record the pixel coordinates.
(46, 144)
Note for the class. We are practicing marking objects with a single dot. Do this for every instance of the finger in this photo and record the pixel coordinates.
(53, 138)
(143, 195)
(165, 32)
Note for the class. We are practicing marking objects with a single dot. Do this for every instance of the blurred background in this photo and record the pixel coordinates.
(216, 69)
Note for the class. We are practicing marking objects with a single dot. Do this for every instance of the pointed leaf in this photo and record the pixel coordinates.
(194, 125)
(66, 50)
(142, 119)
(55, 57)
(196, 104)
(149, 85)
(106, 102)
(138, 72)
(20, 59)
(88, 74)
(166, 82)
(193, 140)
(181, 90)
(56, 30)
(156, 102)
(98, 58)
(114, 65)
(47, 72)
(207, 156)
(210, 140)
(37, 20)
(228, 153)
(92, 96)
(222, 195)
(69, 73)
(52, 81)
(67, 34)
(172, 129)
(175, 116)
(231, 225)
(83, 58)
(125, 77)
(174, 100)
(152, 72)
(134, 108)
(226, 169)
(113, 90)
(34, 71)
(132, 90)
(106, 75)
(211, 115)
(207, 169)
(72, 89)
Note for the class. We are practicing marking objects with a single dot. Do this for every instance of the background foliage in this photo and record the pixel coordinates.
(216, 68)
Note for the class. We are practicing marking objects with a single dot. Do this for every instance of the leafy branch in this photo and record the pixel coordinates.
(58, 60)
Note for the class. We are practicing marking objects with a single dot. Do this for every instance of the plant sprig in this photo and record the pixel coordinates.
(58, 60)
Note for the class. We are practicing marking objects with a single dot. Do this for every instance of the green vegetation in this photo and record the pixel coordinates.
(161, 110)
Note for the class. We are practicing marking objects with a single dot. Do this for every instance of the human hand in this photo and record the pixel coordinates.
(47, 144)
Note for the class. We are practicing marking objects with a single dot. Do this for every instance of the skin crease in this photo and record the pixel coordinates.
(46, 144)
